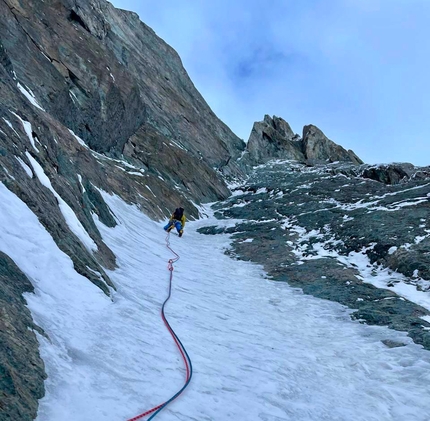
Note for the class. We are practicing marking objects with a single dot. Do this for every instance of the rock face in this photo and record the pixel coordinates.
(21, 369)
(92, 99)
(106, 76)
(273, 138)
(331, 230)
(318, 148)
(395, 173)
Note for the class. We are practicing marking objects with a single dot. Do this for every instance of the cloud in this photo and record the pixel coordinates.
(356, 69)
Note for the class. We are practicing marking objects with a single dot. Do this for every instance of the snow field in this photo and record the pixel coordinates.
(260, 349)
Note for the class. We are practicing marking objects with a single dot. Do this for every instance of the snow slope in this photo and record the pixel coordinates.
(260, 350)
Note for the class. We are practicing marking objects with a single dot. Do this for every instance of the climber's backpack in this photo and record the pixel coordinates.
(179, 212)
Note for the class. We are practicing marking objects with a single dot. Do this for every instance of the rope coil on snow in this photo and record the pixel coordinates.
(182, 350)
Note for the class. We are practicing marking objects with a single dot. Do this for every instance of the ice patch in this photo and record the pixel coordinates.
(26, 168)
(418, 239)
(73, 97)
(80, 141)
(172, 142)
(392, 250)
(30, 96)
(239, 205)
(28, 130)
(150, 190)
(80, 182)
(8, 173)
(10, 125)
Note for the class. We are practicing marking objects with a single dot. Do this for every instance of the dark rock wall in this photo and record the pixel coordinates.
(148, 134)
(104, 74)
(272, 139)
(318, 148)
(21, 368)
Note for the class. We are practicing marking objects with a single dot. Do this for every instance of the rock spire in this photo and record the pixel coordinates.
(273, 138)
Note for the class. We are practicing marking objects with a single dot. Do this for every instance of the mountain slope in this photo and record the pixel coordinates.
(100, 124)
(260, 349)
(342, 236)
(91, 99)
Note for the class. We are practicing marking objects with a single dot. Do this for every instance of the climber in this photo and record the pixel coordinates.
(177, 220)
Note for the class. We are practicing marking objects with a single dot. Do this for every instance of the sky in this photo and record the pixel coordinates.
(357, 69)
(260, 350)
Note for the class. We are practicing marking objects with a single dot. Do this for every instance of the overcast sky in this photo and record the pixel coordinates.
(357, 69)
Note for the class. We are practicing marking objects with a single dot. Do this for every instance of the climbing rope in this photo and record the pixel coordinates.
(187, 360)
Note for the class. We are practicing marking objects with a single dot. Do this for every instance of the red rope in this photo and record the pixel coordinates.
(170, 268)
(146, 413)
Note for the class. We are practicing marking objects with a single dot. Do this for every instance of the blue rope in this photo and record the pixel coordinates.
(176, 336)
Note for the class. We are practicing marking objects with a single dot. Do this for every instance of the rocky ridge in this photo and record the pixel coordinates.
(273, 138)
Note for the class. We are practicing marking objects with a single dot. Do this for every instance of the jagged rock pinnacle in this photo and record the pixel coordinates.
(317, 147)
(273, 138)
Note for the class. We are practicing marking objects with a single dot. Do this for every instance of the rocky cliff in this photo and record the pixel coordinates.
(92, 100)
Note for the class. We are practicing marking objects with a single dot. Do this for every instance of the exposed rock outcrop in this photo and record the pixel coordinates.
(319, 149)
(395, 173)
(273, 138)
(104, 74)
(21, 368)
(331, 231)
